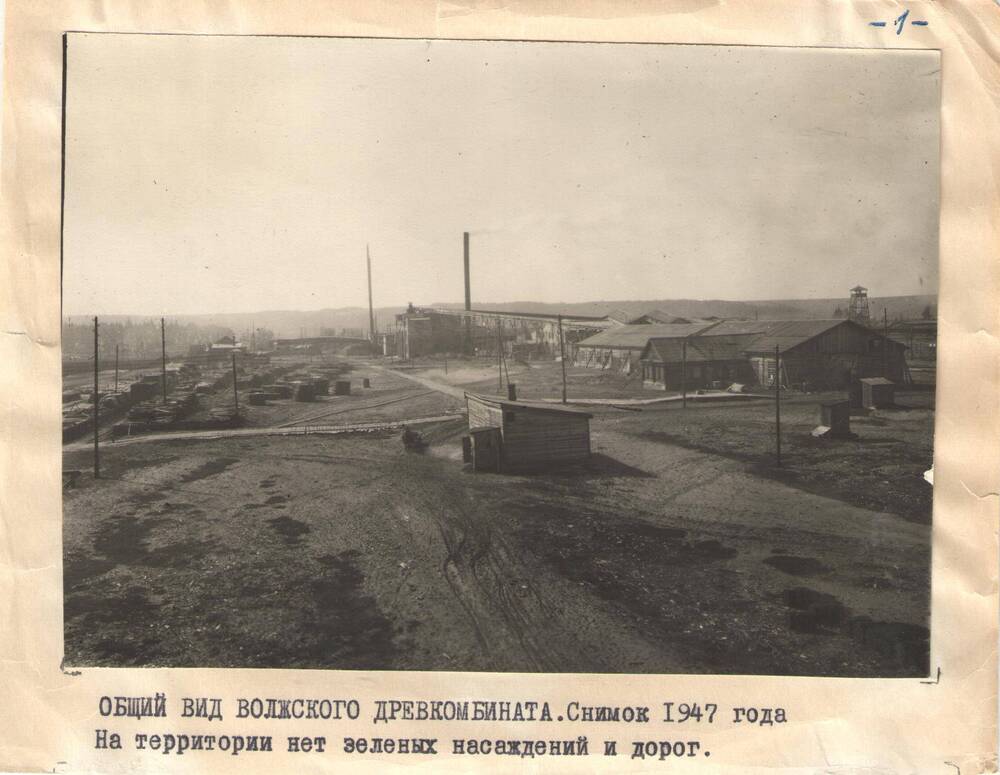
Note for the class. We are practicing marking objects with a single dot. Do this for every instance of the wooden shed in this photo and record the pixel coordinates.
(528, 435)
(877, 392)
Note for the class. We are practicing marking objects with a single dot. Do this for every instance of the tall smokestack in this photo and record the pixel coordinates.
(468, 286)
(468, 295)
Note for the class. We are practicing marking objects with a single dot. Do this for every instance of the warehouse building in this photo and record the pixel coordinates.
(509, 435)
(522, 335)
(620, 348)
(814, 354)
(823, 354)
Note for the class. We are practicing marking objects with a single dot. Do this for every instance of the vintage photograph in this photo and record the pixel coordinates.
(411, 354)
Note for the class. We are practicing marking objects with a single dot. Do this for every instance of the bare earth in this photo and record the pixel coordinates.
(679, 548)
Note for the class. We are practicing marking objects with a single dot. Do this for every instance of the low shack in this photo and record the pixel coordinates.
(877, 392)
(525, 435)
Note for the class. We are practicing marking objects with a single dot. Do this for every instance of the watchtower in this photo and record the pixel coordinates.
(859, 311)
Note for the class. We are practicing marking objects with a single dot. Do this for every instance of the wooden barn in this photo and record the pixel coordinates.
(697, 362)
(523, 436)
(620, 348)
(823, 354)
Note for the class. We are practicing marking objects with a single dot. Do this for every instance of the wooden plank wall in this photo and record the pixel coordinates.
(534, 437)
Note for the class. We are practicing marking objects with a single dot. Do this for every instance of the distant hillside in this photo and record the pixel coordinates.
(897, 307)
(290, 323)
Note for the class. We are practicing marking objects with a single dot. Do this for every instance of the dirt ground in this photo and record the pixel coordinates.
(538, 379)
(680, 547)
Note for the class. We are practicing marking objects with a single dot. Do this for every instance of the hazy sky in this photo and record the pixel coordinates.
(238, 174)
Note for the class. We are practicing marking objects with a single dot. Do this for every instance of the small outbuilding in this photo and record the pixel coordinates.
(877, 392)
(525, 435)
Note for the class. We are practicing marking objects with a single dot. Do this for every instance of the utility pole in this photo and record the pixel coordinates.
(562, 357)
(684, 374)
(97, 411)
(499, 355)
(371, 309)
(116, 368)
(467, 347)
(885, 343)
(163, 358)
(236, 395)
(777, 403)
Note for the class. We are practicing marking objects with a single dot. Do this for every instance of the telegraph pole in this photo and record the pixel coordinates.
(371, 309)
(684, 374)
(236, 395)
(163, 358)
(777, 403)
(97, 411)
(116, 368)
(562, 358)
(499, 355)
(885, 343)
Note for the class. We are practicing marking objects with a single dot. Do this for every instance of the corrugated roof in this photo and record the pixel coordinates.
(540, 405)
(635, 337)
(699, 348)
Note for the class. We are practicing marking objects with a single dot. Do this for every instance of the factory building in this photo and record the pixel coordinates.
(523, 335)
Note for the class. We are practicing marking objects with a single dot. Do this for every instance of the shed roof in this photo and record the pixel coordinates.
(635, 337)
(876, 381)
(500, 401)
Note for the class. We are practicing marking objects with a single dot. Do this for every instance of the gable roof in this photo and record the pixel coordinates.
(787, 334)
(657, 316)
(635, 337)
(699, 349)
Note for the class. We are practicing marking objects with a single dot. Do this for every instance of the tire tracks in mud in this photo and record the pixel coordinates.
(514, 624)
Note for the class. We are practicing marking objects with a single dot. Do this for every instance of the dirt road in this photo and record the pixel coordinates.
(345, 551)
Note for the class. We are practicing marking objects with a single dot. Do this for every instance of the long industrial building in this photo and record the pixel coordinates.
(522, 335)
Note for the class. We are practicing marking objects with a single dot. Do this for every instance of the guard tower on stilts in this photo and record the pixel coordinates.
(859, 311)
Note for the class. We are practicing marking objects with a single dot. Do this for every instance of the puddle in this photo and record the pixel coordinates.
(796, 566)
(77, 570)
(813, 611)
(291, 530)
(352, 630)
(211, 468)
(123, 541)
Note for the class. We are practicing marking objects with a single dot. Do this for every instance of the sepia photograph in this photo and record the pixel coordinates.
(487, 355)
